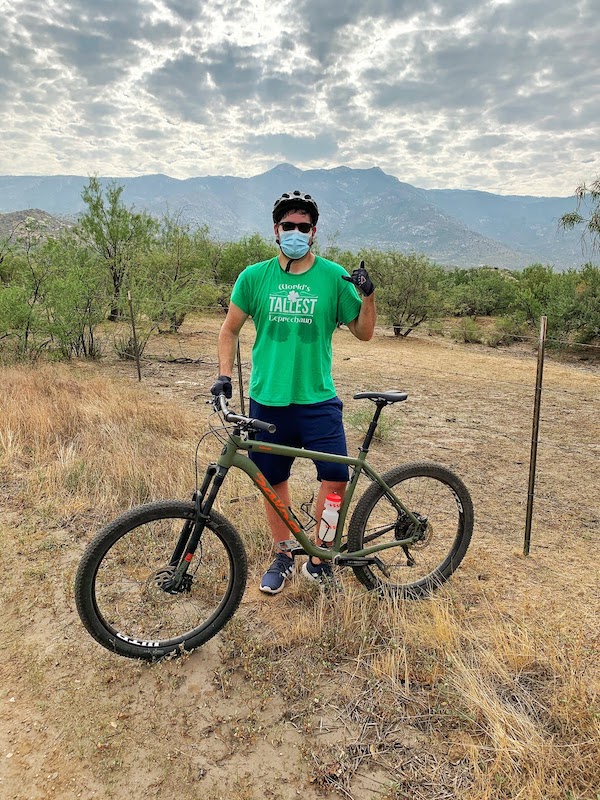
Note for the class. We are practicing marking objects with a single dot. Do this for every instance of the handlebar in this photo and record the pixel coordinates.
(220, 404)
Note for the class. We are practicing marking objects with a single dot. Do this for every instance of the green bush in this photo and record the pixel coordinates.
(410, 288)
(435, 327)
(506, 331)
(468, 331)
(481, 292)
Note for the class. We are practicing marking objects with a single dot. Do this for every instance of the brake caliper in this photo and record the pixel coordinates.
(164, 580)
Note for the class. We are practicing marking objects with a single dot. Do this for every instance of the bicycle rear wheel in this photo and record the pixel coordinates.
(441, 503)
(121, 587)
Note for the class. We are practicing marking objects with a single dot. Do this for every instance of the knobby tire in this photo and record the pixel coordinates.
(436, 494)
(117, 591)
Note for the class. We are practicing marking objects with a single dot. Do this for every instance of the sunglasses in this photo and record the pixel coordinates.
(303, 227)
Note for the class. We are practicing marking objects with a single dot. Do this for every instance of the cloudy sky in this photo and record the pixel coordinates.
(500, 96)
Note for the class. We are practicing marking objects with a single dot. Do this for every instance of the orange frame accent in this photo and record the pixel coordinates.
(283, 511)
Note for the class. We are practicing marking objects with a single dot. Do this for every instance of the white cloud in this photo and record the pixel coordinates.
(464, 94)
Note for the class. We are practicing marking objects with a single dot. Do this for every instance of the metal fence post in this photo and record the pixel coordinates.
(535, 432)
(136, 350)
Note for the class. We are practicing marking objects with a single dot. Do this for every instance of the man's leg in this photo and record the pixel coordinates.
(282, 567)
(279, 530)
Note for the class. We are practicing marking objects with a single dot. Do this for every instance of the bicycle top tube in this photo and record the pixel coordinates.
(236, 442)
(242, 423)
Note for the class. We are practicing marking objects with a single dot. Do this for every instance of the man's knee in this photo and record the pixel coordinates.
(337, 487)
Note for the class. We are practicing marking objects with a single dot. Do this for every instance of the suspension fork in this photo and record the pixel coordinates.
(192, 530)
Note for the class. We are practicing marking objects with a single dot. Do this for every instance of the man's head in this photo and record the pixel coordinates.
(295, 216)
(295, 201)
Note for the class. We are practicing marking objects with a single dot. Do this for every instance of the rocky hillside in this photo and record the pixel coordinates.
(13, 223)
(359, 208)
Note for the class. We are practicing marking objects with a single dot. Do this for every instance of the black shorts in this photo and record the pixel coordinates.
(317, 426)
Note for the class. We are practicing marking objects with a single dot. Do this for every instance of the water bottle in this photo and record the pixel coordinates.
(329, 519)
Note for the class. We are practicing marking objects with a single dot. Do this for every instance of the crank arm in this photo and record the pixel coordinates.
(361, 561)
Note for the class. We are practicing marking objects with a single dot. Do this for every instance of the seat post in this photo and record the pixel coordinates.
(372, 427)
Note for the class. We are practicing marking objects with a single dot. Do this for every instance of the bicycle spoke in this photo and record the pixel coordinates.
(431, 494)
(129, 596)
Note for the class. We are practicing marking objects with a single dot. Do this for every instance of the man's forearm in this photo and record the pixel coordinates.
(364, 324)
(226, 350)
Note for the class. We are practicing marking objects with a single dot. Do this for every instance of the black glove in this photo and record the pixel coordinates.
(222, 385)
(360, 278)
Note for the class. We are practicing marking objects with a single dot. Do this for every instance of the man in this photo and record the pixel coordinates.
(296, 300)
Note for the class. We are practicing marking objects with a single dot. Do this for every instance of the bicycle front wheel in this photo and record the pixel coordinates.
(441, 503)
(122, 584)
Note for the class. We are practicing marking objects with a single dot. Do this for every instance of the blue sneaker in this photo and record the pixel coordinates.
(275, 577)
(319, 573)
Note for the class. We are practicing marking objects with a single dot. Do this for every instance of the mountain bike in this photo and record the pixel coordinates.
(165, 577)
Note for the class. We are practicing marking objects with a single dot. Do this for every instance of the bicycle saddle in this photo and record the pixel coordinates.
(382, 397)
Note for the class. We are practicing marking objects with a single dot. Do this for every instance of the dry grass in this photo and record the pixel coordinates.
(490, 690)
(495, 711)
(72, 442)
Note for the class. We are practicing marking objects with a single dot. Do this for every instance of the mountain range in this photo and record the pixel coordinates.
(358, 207)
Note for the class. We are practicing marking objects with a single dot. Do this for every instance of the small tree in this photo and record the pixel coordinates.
(7, 244)
(15, 316)
(236, 256)
(588, 200)
(535, 292)
(77, 297)
(56, 295)
(583, 313)
(31, 274)
(115, 232)
(568, 299)
(174, 277)
(410, 288)
(482, 292)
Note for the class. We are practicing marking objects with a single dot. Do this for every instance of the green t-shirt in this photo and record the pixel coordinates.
(295, 317)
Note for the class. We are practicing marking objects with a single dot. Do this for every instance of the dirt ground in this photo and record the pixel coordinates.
(78, 722)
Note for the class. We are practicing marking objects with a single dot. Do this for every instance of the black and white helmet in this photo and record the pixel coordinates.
(295, 199)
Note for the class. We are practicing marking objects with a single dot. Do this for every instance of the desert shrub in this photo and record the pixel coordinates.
(410, 288)
(506, 331)
(467, 330)
(435, 327)
(482, 292)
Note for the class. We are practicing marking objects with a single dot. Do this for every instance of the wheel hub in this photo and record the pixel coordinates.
(422, 532)
(164, 579)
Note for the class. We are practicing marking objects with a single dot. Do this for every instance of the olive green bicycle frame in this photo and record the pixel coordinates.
(230, 457)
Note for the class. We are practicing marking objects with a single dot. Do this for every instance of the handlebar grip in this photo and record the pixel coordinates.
(257, 424)
(269, 427)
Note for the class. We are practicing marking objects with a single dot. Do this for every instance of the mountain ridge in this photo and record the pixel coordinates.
(359, 208)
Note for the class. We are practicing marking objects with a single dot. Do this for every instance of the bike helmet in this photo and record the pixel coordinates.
(295, 199)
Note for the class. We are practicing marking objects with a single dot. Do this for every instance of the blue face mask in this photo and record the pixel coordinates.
(294, 244)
